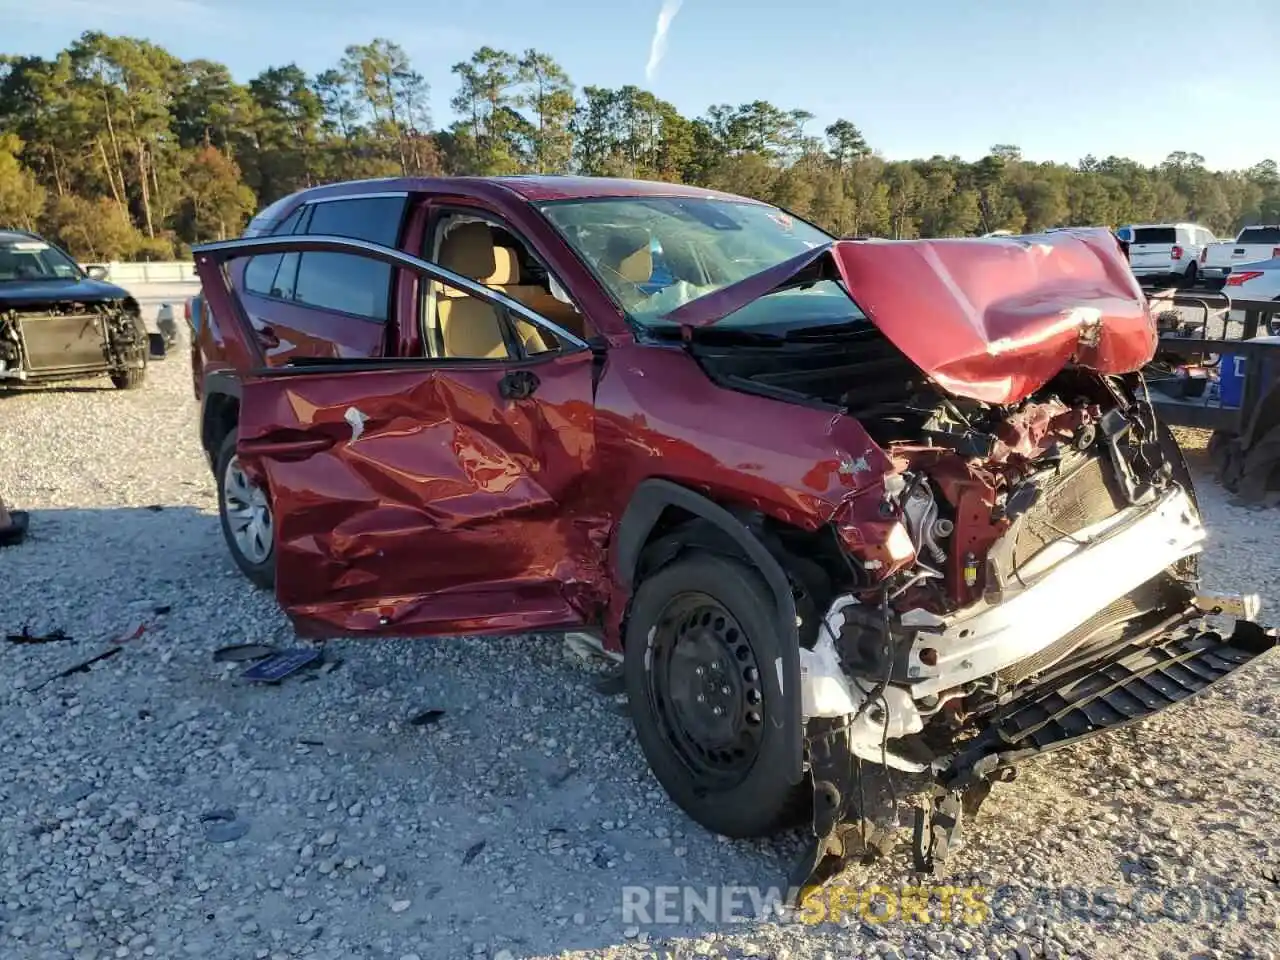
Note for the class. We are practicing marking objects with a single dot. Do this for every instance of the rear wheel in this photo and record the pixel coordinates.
(245, 511)
(701, 632)
(1189, 278)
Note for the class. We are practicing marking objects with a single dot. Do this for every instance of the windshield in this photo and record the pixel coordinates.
(34, 260)
(656, 253)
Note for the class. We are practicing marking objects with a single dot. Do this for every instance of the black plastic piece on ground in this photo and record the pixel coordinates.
(611, 684)
(27, 637)
(16, 531)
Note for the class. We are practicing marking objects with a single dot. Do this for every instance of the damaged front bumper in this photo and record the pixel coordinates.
(1070, 684)
(1120, 686)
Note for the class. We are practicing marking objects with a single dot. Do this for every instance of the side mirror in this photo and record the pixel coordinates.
(96, 271)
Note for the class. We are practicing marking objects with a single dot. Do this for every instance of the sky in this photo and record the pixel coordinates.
(1135, 78)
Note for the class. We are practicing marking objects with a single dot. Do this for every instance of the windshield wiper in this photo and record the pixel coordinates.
(717, 334)
(826, 331)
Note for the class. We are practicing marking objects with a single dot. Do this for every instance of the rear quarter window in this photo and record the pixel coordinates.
(1259, 235)
(344, 283)
(262, 274)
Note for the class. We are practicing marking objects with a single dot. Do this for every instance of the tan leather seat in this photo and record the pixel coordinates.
(627, 255)
(470, 327)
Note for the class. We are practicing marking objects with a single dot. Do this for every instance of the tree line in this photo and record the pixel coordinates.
(117, 149)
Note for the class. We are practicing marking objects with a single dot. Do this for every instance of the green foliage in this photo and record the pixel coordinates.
(116, 148)
(21, 197)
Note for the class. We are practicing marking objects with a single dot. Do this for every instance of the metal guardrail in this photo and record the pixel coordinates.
(174, 271)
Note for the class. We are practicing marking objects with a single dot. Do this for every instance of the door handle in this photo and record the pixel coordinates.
(518, 384)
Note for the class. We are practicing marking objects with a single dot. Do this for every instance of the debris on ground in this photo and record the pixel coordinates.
(13, 525)
(80, 666)
(141, 629)
(26, 636)
(223, 826)
(243, 652)
(427, 718)
(280, 665)
(611, 684)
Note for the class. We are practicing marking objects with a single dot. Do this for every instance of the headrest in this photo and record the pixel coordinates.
(677, 254)
(468, 249)
(506, 269)
(627, 253)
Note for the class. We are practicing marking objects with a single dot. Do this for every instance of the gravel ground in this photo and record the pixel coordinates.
(509, 827)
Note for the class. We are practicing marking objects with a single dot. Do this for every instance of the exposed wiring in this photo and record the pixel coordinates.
(925, 573)
(884, 760)
(862, 798)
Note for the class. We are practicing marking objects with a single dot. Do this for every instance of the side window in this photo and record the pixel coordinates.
(342, 282)
(345, 283)
(263, 276)
(376, 219)
(457, 325)
(333, 281)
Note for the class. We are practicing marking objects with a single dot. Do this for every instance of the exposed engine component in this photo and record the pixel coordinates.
(68, 339)
(920, 511)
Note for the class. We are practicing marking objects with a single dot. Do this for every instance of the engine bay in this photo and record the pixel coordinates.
(67, 339)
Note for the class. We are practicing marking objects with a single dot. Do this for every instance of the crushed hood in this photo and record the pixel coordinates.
(993, 318)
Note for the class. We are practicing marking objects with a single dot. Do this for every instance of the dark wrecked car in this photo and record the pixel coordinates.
(58, 322)
(833, 501)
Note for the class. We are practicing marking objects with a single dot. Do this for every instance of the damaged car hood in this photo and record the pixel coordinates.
(993, 319)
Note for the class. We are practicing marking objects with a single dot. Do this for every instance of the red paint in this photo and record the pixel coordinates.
(455, 510)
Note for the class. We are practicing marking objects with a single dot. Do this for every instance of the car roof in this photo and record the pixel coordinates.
(534, 188)
(13, 234)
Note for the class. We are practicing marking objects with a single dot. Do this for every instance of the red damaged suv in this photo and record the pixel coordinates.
(831, 500)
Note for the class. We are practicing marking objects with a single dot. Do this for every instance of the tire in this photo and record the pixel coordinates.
(1260, 468)
(260, 569)
(1190, 277)
(696, 603)
(131, 379)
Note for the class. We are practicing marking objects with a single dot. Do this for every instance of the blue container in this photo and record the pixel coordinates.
(1231, 373)
(1231, 379)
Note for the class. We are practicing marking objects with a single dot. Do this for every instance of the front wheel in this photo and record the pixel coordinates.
(245, 511)
(701, 632)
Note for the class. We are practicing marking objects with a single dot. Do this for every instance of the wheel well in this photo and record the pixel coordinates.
(811, 560)
(221, 414)
(648, 526)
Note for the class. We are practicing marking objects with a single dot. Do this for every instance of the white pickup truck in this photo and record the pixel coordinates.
(1252, 244)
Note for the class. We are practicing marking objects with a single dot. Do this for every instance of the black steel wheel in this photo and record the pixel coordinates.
(701, 632)
(706, 689)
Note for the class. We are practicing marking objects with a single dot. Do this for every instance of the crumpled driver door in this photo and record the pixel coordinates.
(418, 496)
